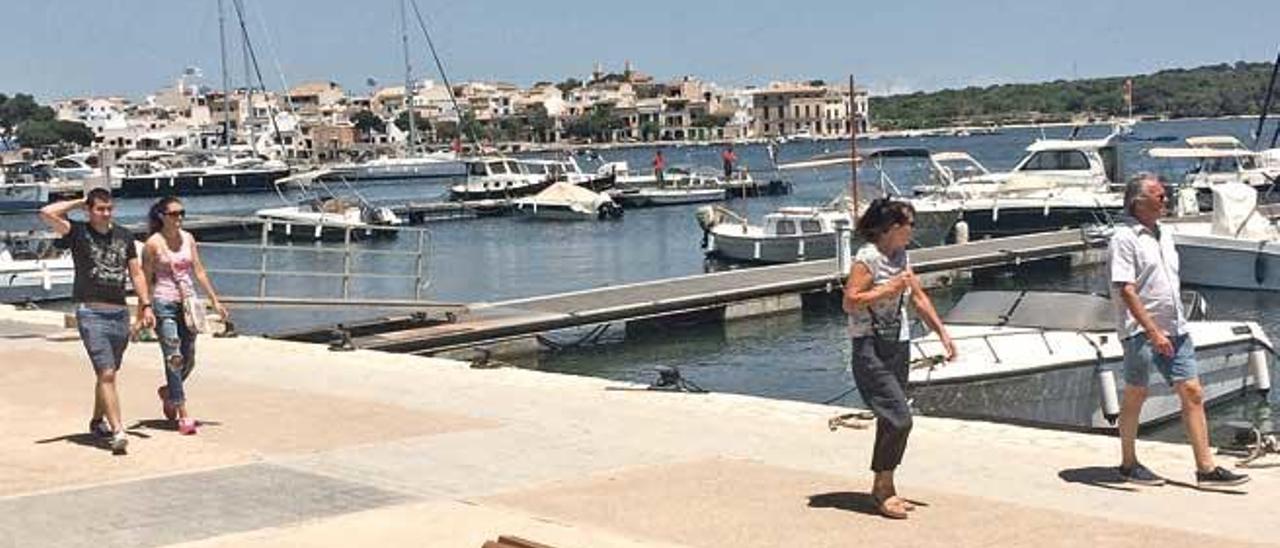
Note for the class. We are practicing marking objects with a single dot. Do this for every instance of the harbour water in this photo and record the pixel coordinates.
(796, 356)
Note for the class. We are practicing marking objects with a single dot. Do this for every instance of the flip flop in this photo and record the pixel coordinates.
(882, 506)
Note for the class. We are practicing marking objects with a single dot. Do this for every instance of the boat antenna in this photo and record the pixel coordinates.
(226, 81)
(1266, 106)
(443, 76)
(853, 152)
(257, 71)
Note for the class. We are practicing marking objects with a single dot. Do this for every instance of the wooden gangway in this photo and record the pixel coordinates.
(498, 321)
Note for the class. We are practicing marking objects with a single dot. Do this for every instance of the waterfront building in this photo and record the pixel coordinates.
(807, 108)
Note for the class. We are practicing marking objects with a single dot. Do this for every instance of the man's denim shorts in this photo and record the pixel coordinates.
(105, 334)
(1139, 356)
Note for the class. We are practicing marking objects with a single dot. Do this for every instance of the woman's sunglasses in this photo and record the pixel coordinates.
(179, 214)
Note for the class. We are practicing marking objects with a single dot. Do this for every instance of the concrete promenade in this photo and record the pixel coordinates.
(305, 447)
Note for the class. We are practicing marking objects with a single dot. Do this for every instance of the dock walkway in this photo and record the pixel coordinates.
(304, 447)
(488, 322)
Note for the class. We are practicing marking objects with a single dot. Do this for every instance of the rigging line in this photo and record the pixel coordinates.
(275, 58)
(253, 56)
(443, 77)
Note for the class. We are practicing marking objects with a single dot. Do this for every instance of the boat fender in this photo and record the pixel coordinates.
(1260, 264)
(961, 232)
(1258, 369)
(1107, 389)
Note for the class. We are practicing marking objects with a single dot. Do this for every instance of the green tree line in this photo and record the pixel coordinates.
(1207, 91)
(34, 125)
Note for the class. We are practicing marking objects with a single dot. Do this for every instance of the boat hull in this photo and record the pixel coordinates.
(23, 197)
(931, 229)
(405, 171)
(34, 281)
(1068, 396)
(199, 184)
(301, 231)
(999, 222)
(1226, 262)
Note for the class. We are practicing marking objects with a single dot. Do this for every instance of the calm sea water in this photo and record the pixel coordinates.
(796, 356)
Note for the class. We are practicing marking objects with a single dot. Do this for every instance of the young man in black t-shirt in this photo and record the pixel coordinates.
(104, 257)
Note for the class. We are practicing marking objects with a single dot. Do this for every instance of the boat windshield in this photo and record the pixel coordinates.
(1034, 309)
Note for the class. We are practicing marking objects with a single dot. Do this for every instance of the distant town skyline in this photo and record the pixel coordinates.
(72, 48)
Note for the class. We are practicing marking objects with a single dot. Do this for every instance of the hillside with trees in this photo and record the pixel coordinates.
(1214, 90)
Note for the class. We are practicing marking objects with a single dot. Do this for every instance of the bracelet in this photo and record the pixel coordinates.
(143, 305)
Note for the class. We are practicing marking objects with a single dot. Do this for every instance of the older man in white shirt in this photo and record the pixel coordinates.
(1153, 329)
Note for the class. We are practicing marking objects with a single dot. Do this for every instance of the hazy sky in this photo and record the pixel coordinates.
(61, 48)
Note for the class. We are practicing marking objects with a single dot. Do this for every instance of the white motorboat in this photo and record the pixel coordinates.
(794, 234)
(494, 177)
(679, 187)
(654, 197)
(328, 218)
(1220, 159)
(1049, 359)
(1239, 248)
(32, 269)
(1058, 184)
(570, 202)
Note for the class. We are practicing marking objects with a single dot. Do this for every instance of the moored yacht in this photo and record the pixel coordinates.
(1058, 184)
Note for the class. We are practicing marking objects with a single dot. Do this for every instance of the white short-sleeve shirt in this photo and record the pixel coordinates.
(1149, 260)
(882, 269)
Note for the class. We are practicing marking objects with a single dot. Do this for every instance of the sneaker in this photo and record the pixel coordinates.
(170, 411)
(119, 443)
(187, 427)
(99, 428)
(1219, 477)
(1140, 475)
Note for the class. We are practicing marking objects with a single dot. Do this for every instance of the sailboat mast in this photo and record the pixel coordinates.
(408, 82)
(1266, 105)
(853, 151)
(226, 80)
(248, 87)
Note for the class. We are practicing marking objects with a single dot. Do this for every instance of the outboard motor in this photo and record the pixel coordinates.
(708, 217)
(609, 211)
(384, 216)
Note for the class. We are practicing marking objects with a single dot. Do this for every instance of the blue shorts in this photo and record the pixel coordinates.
(1139, 356)
(105, 334)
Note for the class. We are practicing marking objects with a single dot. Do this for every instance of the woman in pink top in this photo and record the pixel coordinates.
(172, 264)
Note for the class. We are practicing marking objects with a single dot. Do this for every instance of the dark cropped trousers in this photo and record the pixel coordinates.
(881, 378)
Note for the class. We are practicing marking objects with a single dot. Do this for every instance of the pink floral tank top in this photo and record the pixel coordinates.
(173, 271)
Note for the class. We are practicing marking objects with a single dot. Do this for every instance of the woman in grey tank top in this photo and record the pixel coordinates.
(880, 285)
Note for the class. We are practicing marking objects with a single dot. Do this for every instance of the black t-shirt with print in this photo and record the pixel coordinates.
(101, 261)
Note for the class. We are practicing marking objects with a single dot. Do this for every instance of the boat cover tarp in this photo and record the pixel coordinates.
(1235, 213)
(562, 193)
(1034, 309)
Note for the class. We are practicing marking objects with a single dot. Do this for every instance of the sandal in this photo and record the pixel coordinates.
(892, 507)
